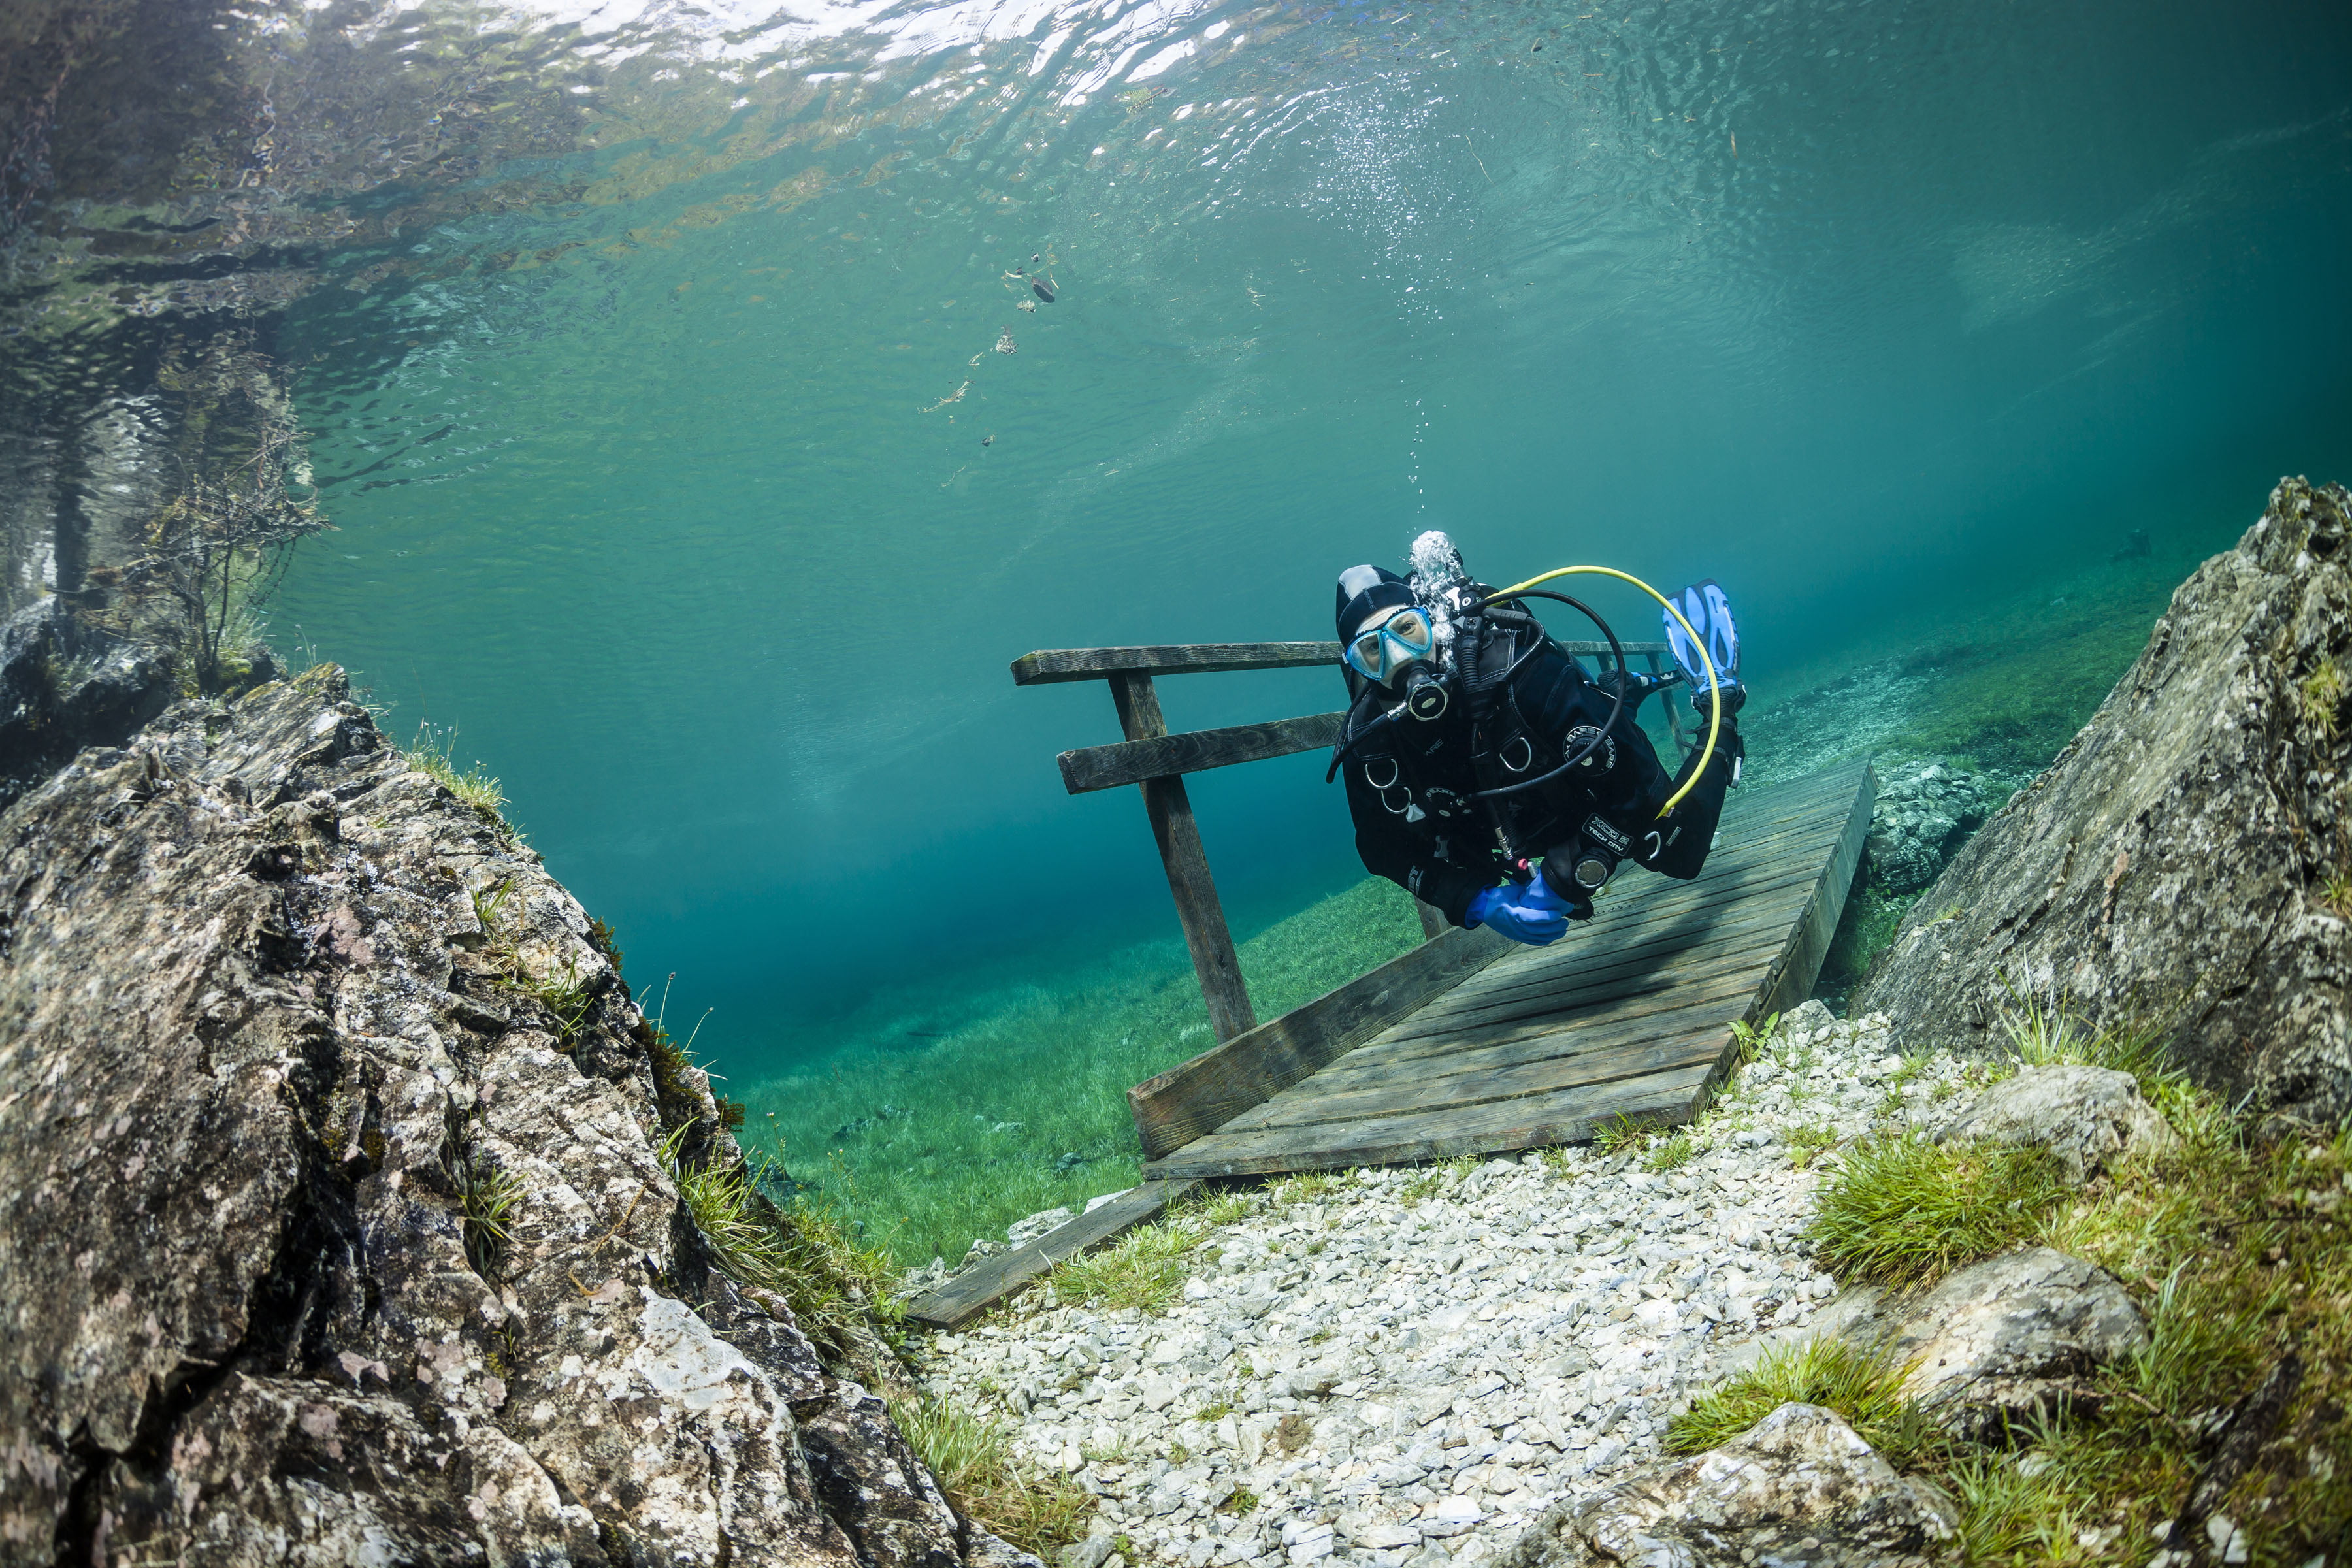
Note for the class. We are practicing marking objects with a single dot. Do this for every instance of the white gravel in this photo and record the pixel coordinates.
(1399, 1376)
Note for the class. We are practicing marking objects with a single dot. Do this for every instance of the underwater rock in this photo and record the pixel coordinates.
(333, 1225)
(2014, 1338)
(1801, 1486)
(64, 687)
(1925, 812)
(2185, 865)
(2086, 1116)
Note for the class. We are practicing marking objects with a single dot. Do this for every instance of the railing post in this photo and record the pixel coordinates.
(1674, 713)
(1433, 923)
(1187, 863)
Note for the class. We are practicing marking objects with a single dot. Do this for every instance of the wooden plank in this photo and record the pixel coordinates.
(1196, 750)
(1197, 1097)
(1433, 923)
(960, 1297)
(1483, 1084)
(1658, 911)
(1436, 1051)
(1793, 979)
(1050, 666)
(1725, 994)
(1701, 1011)
(1683, 742)
(1735, 920)
(1214, 962)
(1573, 1116)
(1548, 1044)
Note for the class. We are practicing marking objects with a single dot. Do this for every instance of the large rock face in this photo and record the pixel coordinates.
(262, 1031)
(2187, 862)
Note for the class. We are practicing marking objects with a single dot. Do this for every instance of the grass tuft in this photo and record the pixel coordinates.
(488, 1198)
(433, 754)
(1306, 1187)
(1754, 1038)
(1617, 1136)
(1672, 1153)
(2323, 697)
(1904, 1211)
(1144, 1269)
(2335, 892)
(1434, 1179)
(840, 1293)
(1809, 1142)
(1861, 1386)
(972, 1458)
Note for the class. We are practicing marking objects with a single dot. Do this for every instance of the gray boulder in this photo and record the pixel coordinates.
(279, 1012)
(2173, 865)
(1925, 812)
(2011, 1338)
(1798, 1486)
(2086, 1116)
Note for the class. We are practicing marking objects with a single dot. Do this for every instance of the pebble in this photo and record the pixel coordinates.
(1403, 1372)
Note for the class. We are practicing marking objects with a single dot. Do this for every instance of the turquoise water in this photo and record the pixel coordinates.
(683, 476)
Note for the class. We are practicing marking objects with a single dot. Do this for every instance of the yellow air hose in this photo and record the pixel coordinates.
(1714, 691)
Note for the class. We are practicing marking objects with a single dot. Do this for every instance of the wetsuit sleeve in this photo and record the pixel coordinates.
(1391, 849)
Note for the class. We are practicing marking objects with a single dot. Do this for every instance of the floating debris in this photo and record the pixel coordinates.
(955, 396)
(1038, 286)
(989, 439)
(1004, 346)
(1028, 305)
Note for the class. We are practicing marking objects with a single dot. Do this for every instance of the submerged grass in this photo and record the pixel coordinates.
(972, 1458)
(1861, 1386)
(1904, 1211)
(937, 1132)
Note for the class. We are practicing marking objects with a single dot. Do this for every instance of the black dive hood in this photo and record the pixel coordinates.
(1365, 592)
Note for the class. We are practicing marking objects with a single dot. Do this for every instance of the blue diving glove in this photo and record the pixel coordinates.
(1529, 924)
(1538, 895)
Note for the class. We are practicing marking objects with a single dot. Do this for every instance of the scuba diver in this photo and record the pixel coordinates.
(1490, 776)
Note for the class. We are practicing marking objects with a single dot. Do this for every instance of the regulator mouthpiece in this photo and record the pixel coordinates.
(1424, 695)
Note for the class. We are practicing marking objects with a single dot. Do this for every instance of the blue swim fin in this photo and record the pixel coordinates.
(1702, 605)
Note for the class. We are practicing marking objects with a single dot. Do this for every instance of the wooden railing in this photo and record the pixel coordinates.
(1158, 761)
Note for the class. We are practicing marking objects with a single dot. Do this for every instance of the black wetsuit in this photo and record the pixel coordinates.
(1411, 783)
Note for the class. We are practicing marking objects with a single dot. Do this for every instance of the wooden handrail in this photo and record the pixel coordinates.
(1048, 666)
(1056, 664)
(1196, 750)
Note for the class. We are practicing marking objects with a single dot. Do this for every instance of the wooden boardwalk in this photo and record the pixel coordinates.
(1512, 1048)
(1468, 1044)
(1473, 1044)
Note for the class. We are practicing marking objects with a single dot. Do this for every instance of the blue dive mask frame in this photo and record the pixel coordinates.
(1402, 636)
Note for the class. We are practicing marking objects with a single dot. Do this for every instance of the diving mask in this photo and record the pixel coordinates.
(1398, 638)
